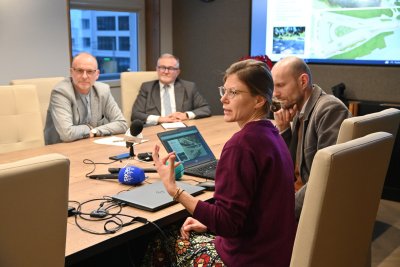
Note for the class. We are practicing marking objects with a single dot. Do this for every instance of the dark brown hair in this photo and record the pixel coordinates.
(256, 76)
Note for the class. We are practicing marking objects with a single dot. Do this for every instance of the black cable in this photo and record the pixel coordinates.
(89, 161)
(113, 221)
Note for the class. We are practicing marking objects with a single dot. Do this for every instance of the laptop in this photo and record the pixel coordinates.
(191, 150)
(153, 197)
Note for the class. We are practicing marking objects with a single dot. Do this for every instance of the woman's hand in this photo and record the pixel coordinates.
(166, 172)
(192, 224)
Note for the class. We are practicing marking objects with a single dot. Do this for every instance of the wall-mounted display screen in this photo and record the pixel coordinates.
(328, 31)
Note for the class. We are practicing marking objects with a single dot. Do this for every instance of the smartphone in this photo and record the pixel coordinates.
(120, 156)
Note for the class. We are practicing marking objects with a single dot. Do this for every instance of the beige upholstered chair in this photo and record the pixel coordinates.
(130, 86)
(387, 120)
(341, 203)
(20, 118)
(33, 225)
(44, 87)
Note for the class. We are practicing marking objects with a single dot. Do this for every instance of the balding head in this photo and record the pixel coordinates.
(295, 66)
(84, 72)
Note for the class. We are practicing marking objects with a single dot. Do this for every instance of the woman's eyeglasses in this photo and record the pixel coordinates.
(230, 92)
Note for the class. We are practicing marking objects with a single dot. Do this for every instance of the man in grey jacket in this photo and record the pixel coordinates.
(169, 99)
(80, 107)
(316, 118)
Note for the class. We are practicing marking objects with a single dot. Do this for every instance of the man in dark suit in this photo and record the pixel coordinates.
(169, 99)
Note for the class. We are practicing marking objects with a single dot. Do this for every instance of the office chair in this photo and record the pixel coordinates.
(130, 86)
(387, 120)
(34, 198)
(44, 86)
(341, 203)
(20, 118)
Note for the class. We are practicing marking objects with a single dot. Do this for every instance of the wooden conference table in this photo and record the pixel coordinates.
(81, 245)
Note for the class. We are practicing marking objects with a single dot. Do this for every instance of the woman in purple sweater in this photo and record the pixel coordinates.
(253, 213)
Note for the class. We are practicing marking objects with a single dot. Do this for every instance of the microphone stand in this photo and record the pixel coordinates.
(131, 149)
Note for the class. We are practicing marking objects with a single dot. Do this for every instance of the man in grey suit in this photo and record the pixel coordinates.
(80, 107)
(316, 118)
(169, 99)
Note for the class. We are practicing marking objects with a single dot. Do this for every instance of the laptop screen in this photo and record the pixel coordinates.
(188, 144)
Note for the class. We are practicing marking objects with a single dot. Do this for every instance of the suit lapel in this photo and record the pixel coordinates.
(80, 109)
(155, 96)
(179, 95)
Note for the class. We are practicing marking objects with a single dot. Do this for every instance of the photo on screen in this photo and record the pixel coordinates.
(288, 40)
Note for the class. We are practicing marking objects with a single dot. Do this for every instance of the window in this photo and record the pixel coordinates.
(123, 23)
(106, 43)
(85, 24)
(110, 31)
(106, 23)
(124, 44)
(86, 42)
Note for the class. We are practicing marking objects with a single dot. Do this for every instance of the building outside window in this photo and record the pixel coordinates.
(111, 36)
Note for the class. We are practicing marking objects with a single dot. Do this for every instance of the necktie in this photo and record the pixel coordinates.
(89, 111)
(167, 101)
(295, 149)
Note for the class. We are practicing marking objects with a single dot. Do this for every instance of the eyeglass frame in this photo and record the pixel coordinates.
(81, 72)
(230, 92)
(164, 68)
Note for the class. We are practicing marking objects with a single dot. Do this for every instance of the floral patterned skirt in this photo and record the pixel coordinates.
(199, 250)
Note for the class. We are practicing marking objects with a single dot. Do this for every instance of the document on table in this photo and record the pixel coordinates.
(115, 141)
(173, 125)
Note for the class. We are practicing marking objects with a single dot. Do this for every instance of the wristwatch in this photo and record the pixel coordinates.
(94, 131)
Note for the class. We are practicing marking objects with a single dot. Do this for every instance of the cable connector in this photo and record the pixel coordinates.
(100, 213)
(71, 211)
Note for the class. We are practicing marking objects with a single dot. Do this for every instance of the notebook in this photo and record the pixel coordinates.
(191, 150)
(153, 197)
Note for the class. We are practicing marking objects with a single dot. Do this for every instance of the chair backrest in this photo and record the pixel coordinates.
(33, 225)
(20, 118)
(387, 120)
(44, 86)
(341, 203)
(130, 86)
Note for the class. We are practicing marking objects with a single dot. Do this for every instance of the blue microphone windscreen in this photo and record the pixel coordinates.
(131, 175)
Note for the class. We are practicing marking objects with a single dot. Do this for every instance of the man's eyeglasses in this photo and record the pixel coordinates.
(230, 92)
(82, 71)
(164, 68)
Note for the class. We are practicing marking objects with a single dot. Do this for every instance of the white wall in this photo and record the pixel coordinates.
(33, 39)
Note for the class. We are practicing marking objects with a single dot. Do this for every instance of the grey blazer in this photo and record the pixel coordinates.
(187, 98)
(323, 116)
(65, 115)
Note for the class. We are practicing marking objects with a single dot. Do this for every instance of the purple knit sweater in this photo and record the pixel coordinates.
(253, 213)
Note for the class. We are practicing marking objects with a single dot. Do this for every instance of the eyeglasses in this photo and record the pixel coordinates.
(164, 68)
(82, 71)
(230, 92)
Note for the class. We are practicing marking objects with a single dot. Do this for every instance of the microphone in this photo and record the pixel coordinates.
(179, 171)
(134, 135)
(130, 175)
(116, 170)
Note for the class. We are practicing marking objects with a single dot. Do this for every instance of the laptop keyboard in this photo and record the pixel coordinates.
(205, 170)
